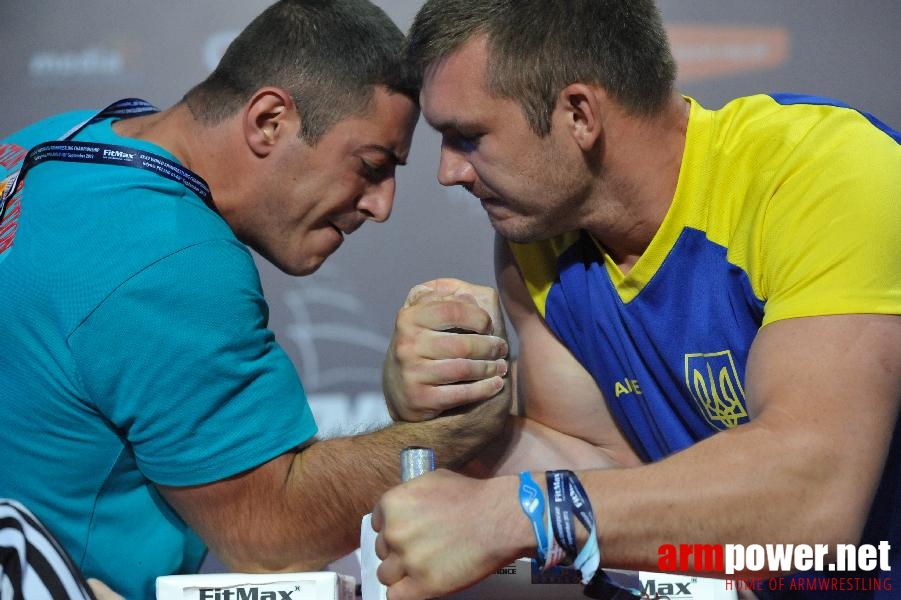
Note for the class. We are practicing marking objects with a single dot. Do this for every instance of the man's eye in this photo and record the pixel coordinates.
(464, 143)
(372, 172)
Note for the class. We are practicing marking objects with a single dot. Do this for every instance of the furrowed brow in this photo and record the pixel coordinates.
(391, 154)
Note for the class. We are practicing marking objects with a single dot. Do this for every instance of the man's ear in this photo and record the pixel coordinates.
(269, 115)
(579, 107)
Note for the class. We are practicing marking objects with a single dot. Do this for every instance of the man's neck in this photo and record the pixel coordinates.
(642, 159)
(166, 129)
(201, 148)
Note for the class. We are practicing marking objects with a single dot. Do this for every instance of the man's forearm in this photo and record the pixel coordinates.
(823, 394)
(747, 486)
(314, 518)
(525, 444)
(755, 489)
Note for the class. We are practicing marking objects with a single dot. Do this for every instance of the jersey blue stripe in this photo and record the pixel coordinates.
(787, 99)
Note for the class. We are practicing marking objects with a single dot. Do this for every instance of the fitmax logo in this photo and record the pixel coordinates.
(242, 593)
(118, 154)
(650, 589)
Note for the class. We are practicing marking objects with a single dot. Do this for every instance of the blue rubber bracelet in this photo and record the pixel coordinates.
(531, 499)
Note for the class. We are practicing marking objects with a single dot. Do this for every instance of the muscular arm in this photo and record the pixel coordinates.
(302, 510)
(823, 394)
(561, 420)
(564, 421)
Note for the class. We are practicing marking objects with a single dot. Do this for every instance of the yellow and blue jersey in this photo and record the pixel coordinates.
(786, 206)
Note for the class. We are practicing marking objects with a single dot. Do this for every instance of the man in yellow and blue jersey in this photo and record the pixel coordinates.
(707, 303)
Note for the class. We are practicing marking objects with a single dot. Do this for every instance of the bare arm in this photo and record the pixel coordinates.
(562, 417)
(564, 421)
(824, 395)
(302, 510)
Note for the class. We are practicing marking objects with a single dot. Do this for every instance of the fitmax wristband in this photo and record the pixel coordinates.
(560, 514)
(575, 500)
(568, 498)
(556, 553)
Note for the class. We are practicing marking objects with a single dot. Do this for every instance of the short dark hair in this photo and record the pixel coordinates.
(538, 47)
(328, 54)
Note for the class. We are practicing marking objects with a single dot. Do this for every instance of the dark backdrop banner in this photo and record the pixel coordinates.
(61, 54)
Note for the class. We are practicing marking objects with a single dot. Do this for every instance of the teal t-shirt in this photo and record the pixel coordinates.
(136, 351)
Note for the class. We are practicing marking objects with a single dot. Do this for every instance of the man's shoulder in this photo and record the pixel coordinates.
(49, 128)
(14, 147)
(792, 117)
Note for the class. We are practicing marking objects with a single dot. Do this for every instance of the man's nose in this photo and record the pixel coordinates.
(376, 204)
(454, 168)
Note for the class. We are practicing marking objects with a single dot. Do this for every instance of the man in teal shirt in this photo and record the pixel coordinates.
(149, 411)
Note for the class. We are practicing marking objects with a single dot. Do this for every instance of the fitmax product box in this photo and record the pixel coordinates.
(254, 586)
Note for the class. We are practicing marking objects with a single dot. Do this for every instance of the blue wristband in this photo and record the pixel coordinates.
(560, 514)
(531, 499)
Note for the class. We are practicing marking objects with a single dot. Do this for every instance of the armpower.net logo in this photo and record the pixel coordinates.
(842, 568)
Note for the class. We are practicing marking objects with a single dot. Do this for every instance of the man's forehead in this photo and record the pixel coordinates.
(468, 61)
(452, 103)
(465, 113)
(386, 127)
(460, 112)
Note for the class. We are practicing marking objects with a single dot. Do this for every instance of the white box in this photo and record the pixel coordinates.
(318, 585)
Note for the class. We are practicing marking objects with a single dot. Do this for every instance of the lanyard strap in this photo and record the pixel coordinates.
(128, 107)
(108, 154)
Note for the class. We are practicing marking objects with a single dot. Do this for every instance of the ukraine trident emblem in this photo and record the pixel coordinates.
(713, 382)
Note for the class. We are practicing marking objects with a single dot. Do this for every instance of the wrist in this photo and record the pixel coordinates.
(553, 511)
(483, 421)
